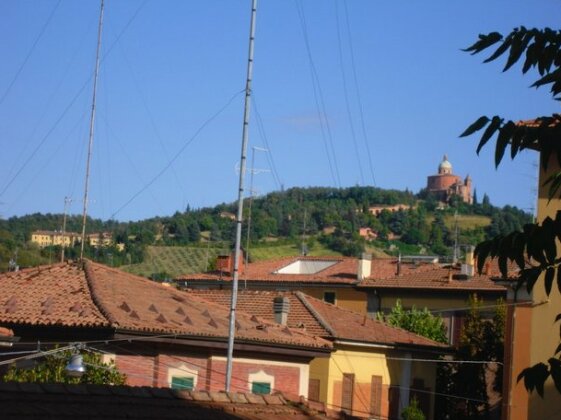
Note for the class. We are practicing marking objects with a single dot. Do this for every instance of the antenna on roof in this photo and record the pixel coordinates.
(92, 121)
(67, 201)
(245, 135)
(456, 256)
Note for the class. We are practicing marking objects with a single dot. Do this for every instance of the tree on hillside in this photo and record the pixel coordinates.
(541, 49)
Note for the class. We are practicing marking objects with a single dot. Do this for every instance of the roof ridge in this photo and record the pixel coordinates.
(93, 293)
(315, 313)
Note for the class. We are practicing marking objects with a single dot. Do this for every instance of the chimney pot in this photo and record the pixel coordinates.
(281, 307)
(364, 268)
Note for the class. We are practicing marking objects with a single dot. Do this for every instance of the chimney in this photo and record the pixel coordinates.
(468, 268)
(364, 266)
(399, 264)
(225, 263)
(281, 307)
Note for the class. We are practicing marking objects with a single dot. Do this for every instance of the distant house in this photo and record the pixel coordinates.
(100, 239)
(377, 210)
(44, 238)
(367, 233)
(158, 336)
(366, 285)
(445, 290)
(373, 370)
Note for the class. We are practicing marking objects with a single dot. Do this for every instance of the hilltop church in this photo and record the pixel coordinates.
(446, 185)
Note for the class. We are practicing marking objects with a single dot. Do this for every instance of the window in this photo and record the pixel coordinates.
(182, 382)
(329, 297)
(260, 382)
(182, 377)
(260, 388)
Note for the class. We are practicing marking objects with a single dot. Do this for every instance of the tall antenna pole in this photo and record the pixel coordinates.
(456, 253)
(252, 171)
(67, 201)
(237, 252)
(92, 124)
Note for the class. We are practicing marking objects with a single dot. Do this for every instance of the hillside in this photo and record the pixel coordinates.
(329, 219)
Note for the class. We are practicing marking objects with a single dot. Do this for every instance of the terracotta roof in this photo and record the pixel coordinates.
(76, 295)
(5, 333)
(319, 317)
(59, 401)
(56, 294)
(447, 278)
(344, 271)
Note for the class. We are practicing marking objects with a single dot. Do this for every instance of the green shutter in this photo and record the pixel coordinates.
(182, 382)
(260, 387)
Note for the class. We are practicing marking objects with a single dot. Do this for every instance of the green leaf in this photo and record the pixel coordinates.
(519, 44)
(476, 126)
(502, 48)
(548, 280)
(489, 131)
(485, 41)
(481, 252)
(505, 133)
(555, 371)
(548, 78)
(530, 276)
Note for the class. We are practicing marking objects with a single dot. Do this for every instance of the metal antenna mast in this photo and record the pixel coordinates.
(92, 124)
(67, 201)
(237, 251)
(253, 172)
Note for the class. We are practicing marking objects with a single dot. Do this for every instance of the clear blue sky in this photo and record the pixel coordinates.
(169, 66)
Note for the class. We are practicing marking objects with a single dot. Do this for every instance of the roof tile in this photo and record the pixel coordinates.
(101, 295)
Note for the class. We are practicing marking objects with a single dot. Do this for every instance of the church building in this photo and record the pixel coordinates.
(445, 184)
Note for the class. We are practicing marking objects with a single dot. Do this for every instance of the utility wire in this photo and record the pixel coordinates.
(346, 92)
(261, 129)
(178, 153)
(357, 92)
(26, 59)
(72, 101)
(320, 104)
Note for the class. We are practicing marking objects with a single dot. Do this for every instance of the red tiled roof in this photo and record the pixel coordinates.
(436, 277)
(344, 271)
(81, 401)
(88, 295)
(5, 333)
(56, 294)
(319, 317)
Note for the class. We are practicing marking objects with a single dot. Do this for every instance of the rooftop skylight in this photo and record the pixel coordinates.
(306, 266)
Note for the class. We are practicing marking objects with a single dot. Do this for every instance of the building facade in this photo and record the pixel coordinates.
(446, 185)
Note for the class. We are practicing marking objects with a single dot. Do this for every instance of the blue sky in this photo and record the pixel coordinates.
(170, 66)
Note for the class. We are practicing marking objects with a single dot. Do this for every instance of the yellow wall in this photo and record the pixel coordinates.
(544, 332)
(364, 363)
(348, 298)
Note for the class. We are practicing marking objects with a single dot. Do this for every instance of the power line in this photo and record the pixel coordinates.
(357, 93)
(70, 104)
(179, 152)
(39, 36)
(346, 93)
(320, 104)
(261, 129)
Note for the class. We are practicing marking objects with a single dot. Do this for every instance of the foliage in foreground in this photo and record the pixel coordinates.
(52, 369)
(541, 50)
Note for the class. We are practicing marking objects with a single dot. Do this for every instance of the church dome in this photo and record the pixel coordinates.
(445, 166)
